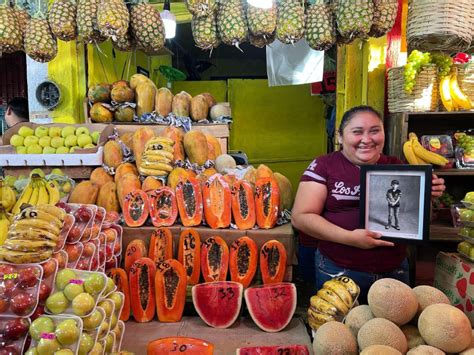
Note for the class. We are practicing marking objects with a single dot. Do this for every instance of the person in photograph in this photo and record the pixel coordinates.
(393, 198)
(326, 209)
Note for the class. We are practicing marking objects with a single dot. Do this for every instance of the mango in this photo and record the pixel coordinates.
(163, 101)
(199, 108)
(139, 140)
(195, 146)
(123, 169)
(113, 156)
(84, 193)
(99, 93)
(126, 184)
(145, 95)
(108, 197)
(100, 177)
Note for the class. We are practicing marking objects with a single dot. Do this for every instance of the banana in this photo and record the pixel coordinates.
(28, 245)
(426, 155)
(34, 213)
(156, 159)
(458, 96)
(332, 298)
(158, 147)
(160, 153)
(36, 223)
(152, 172)
(156, 166)
(7, 196)
(59, 213)
(4, 224)
(34, 195)
(53, 191)
(161, 140)
(350, 285)
(24, 198)
(316, 319)
(409, 153)
(20, 257)
(320, 305)
(43, 196)
(445, 93)
(31, 234)
(341, 291)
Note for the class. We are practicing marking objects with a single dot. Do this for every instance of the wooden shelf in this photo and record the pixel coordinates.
(444, 233)
(442, 113)
(454, 172)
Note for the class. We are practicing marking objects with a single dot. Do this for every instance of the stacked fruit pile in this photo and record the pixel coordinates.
(157, 157)
(466, 248)
(415, 154)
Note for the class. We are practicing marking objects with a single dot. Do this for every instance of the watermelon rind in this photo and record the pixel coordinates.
(274, 350)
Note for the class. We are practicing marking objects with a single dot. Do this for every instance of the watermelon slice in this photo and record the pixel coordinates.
(274, 350)
(271, 306)
(218, 303)
(180, 345)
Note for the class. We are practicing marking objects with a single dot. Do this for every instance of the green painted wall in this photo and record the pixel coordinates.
(217, 88)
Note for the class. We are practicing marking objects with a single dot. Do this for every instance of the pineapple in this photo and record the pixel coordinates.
(205, 32)
(113, 18)
(290, 21)
(147, 27)
(320, 26)
(385, 13)
(231, 22)
(354, 18)
(125, 44)
(62, 19)
(20, 7)
(40, 43)
(262, 22)
(261, 41)
(201, 8)
(87, 26)
(10, 31)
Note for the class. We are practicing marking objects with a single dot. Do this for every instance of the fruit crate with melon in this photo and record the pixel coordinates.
(88, 154)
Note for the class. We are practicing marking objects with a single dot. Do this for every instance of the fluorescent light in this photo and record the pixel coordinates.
(169, 20)
(264, 4)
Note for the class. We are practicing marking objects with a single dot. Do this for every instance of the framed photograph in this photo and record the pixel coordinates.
(395, 201)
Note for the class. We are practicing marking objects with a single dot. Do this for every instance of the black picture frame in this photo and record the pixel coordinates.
(413, 206)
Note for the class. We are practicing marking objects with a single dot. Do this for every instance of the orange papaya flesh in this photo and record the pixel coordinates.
(180, 345)
(121, 281)
(136, 208)
(217, 202)
(163, 207)
(243, 205)
(189, 254)
(267, 202)
(161, 245)
(170, 290)
(273, 258)
(214, 259)
(243, 260)
(136, 249)
(142, 289)
(189, 200)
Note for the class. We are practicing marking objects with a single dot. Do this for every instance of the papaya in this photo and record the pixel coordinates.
(99, 93)
(136, 249)
(135, 208)
(163, 101)
(189, 200)
(186, 94)
(137, 79)
(202, 178)
(126, 184)
(195, 146)
(243, 205)
(189, 254)
(231, 179)
(84, 193)
(267, 202)
(139, 140)
(217, 202)
(121, 281)
(170, 290)
(107, 197)
(211, 101)
(177, 135)
(183, 345)
(163, 207)
(151, 183)
(100, 177)
(113, 155)
(214, 259)
(120, 83)
(213, 147)
(178, 173)
(209, 172)
(273, 262)
(122, 93)
(142, 290)
(264, 171)
(145, 97)
(161, 245)
(251, 175)
(100, 114)
(243, 261)
(199, 108)
(126, 138)
(124, 114)
(286, 191)
(123, 169)
(181, 105)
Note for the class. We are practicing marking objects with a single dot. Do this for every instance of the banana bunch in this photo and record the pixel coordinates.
(415, 154)
(4, 224)
(332, 302)
(452, 96)
(157, 157)
(7, 196)
(38, 192)
(33, 234)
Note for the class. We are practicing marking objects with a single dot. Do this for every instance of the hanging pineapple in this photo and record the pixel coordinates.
(113, 18)
(205, 32)
(262, 22)
(87, 27)
(125, 43)
(385, 13)
(10, 31)
(20, 8)
(201, 8)
(40, 43)
(261, 41)
(290, 21)
(147, 27)
(62, 19)
(231, 22)
(354, 18)
(320, 26)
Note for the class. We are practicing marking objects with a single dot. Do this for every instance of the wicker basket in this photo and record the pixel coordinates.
(444, 25)
(424, 96)
(466, 79)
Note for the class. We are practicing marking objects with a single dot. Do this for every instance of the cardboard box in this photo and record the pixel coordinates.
(454, 276)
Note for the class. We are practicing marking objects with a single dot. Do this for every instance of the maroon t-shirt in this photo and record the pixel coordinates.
(342, 179)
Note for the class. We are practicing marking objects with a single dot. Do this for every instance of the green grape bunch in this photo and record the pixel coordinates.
(416, 61)
(444, 63)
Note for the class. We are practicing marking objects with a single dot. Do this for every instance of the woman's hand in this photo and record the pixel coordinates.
(365, 239)
(437, 186)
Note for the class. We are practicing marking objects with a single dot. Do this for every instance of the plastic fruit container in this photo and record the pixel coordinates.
(74, 252)
(108, 237)
(62, 259)
(97, 222)
(50, 269)
(109, 307)
(95, 259)
(118, 241)
(439, 144)
(19, 288)
(109, 343)
(91, 324)
(119, 332)
(69, 221)
(111, 218)
(86, 258)
(119, 299)
(83, 214)
(13, 334)
(109, 288)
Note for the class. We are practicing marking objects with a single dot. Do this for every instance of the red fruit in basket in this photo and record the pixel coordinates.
(83, 264)
(6, 270)
(4, 303)
(110, 235)
(9, 350)
(44, 291)
(10, 288)
(116, 248)
(73, 251)
(112, 263)
(101, 257)
(74, 233)
(64, 206)
(22, 304)
(83, 214)
(99, 216)
(39, 311)
(48, 268)
(86, 235)
(108, 252)
(112, 217)
(88, 250)
(28, 277)
(16, 328)
(61, 259)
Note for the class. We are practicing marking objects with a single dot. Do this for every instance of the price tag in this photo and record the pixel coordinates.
(76, 281)
(49, 336)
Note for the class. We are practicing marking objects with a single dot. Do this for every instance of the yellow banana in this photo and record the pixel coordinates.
(426, 155)
(316, 319)
(409, 153)
(159, 153)
(59, 213)
(36, 223)
(341, 291)
(32, 234)
(156, 159)
(161, 140)
(458, 96)
(445, 93)
(158, 147)
(53, 192)
(20, 257)
(152, 172)
(43, 197)
(7, 196)
(334, 299)
(156, 165)
(323, 306)
(4, 224)
(28, 245)
(24, 198)
(350, 285)
(34, 195)
(35, 213)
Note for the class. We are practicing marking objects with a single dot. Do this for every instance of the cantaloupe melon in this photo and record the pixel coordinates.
(445, 327)
(334, 338)
(379, 331)
(413, 336)
(470, 348)
(393, 300)
(428, 295)
(380, 350)
(224, 162)
(357, 317)
(425, 350)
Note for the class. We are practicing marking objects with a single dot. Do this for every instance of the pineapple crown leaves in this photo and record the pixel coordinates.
(38, 8)
(21, 4)
(5, 3)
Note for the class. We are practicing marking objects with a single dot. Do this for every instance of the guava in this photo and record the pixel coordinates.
(72, 290)
(93, 320)
(64, 277)
(67, 332)
(47, 346)
(83, 304)
(57, 303)
(41, 325)
(86, 344)
(94, 284)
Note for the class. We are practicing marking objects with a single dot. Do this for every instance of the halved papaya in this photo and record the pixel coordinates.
(121, 281)
(267, 202)
(170, 290)
(163, 207)
(189, 199)
(136, 249)
(243, 260)
(273, 262)
(243, 205)
(189, 254)
(142, 289)
(179, 345)
(136, 208)
(214, 259)
(217, 202)
(161, 245)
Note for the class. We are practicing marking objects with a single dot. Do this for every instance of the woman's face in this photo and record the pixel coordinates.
(363, 138)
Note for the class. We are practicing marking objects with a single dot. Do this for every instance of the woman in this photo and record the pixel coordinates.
(327, 207)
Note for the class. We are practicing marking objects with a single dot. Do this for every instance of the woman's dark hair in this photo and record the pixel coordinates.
(349, 114)
(19, 106)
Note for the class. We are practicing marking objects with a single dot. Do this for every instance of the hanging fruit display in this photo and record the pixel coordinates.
(62, 19)
(11, 38)
(40, 43)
